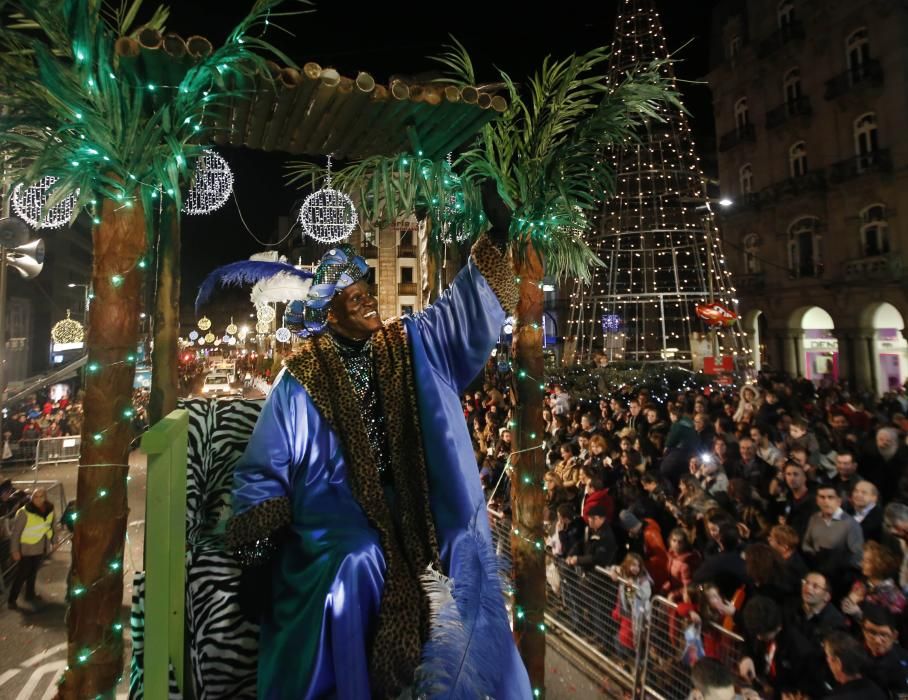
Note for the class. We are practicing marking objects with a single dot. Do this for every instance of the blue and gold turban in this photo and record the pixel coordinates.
(338, 269)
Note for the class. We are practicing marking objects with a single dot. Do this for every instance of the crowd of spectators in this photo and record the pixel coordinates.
(41, 417)
(778, 511)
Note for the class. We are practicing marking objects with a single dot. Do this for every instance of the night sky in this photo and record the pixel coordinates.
(385, 39)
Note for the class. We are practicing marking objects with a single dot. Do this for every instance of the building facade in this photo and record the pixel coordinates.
(809, 100)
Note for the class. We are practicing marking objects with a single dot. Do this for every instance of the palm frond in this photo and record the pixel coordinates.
(548, 151)
(77, 113)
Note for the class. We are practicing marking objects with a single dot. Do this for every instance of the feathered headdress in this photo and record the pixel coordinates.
(307, 294)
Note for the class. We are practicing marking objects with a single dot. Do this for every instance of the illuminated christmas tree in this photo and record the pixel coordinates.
(657, 238)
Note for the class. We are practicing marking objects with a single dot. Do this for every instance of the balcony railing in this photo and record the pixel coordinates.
(874, 162)
(406, 289)
(791, 32)
(888, 267)
(867, 74)
(794, 186)
(406, 251)
(799, 107)
(753, 282)
(742, 134)
(369, 250)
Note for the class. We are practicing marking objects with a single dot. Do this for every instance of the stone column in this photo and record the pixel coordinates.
(856, 357)
(386, 274)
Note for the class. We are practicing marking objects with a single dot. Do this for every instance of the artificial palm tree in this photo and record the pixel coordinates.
(74, 111)
(548, 158)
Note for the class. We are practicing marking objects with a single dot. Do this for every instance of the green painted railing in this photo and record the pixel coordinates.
(165, 443)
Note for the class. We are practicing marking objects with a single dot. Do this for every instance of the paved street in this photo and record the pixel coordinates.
(33, 645)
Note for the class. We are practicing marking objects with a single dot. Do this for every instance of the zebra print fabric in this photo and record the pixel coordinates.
(223, 644)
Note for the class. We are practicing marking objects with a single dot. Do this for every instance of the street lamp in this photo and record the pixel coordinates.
(88, 298)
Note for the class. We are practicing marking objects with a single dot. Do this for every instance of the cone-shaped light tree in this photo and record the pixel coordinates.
(545, 156)
(72, 111)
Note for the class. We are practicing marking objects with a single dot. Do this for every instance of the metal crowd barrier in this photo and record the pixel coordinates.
(603, 614)
(669, 654)
(23, 451)
(639, 643)
(55, 450)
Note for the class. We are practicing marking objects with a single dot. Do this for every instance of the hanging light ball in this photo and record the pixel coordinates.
(212, 184)
(328, 216)
(232, 340)
(29, 203)
(262, 327)
(265, 313)
(282, 335)
(201, 341)
(209, 337)
(231, 329)
(217, 341)
(204, 323)
(67, 331)
(193, 336)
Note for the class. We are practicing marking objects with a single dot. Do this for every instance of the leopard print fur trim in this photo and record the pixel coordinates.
(496, 268)
(259, 522)
(403, 620)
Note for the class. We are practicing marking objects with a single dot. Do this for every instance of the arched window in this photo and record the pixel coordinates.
(857, 52)
(797, 159)
(866, 140)
(734, 47)
(752, 244)
(742, 115)
(804, 241)
(746, 178)
(874, 230)
(791, 87)
(786, 13)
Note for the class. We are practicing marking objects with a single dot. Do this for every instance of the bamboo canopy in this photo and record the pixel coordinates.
(315, 110)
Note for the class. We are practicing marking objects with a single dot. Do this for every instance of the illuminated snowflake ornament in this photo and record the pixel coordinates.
(204, 323)
(30, 204)
(212, 184)
(282, 335)
(327, 215)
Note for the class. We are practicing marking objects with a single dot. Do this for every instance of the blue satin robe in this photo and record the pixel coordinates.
(329, 574)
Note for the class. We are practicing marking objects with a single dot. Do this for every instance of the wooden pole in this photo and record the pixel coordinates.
(95, 653)
(165, 358)
(527, 493)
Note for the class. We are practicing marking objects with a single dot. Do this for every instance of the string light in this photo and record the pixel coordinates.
(30, 203)
(212, 184)
(204, 324)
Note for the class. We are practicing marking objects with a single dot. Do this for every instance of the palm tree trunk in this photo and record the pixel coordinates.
(95, 652)
(165, 375)
(527, 494)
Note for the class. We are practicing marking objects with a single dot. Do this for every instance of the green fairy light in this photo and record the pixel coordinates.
(93, 367)
(78, 591)
(128, 413)
(97, 437)
(115, 565)
(116, 280)
(118, 626)
(541, 627)
(83, 656)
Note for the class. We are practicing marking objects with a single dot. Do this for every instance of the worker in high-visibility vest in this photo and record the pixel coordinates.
(31, 538)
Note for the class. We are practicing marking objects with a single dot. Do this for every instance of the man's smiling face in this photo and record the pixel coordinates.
(354, 312)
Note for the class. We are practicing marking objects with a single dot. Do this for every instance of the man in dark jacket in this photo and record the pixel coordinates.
(888, 666)
(597, 549)
(846, 660)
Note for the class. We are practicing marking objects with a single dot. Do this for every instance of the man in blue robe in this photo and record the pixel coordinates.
(359, 497)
